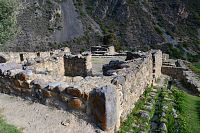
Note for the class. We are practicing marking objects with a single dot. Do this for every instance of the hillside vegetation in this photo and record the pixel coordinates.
(170, 25)
(7, 19)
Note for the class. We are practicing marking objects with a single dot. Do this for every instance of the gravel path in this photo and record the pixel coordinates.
(37, 118)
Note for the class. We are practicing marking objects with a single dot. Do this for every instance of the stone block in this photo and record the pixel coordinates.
(17, 83)
(25, 85)
(74, 92)
(103, 103)
(38, 83)
(48, 94)
(75, 103)
(85, 96)
(119, 80)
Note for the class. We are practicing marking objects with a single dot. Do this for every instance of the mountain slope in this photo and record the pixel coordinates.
(171, 25)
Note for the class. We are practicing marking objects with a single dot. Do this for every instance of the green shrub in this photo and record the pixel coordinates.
(157, 29)
(111, 39)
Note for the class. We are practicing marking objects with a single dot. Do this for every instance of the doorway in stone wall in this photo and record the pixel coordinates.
(21, 57)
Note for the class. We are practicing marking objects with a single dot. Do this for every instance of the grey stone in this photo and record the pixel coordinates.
(154, 126)
(163, 114)
(118, 80)
(110, 73)
(148, 108)
(144, 114)
(163, 126)
(103, 102)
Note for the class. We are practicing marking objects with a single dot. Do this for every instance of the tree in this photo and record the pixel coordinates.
(111, 39)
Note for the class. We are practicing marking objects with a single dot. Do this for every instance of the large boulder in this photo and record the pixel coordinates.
(103, 103)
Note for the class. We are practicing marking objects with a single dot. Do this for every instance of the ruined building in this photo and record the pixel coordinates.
(66, 81)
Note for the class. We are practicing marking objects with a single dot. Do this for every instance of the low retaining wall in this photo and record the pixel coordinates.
(184, 74)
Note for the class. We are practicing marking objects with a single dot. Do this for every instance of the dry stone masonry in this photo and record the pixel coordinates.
(78, 65)
(177, 69)
(60, 79)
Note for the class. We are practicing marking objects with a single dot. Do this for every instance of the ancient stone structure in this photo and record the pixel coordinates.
(103, 50)
(65, 81)
(78, 65)
(178, 70)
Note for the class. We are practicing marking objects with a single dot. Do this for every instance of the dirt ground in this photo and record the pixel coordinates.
(37, 118)
(99, 61)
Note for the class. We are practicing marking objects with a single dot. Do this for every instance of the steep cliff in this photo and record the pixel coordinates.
(172, 25)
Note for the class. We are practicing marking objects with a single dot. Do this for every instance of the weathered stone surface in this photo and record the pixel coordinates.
(38, 83)
(104, 106)
(25, 85)
(17, 83)
(26, 92)
(163, 126)
(85, 96)
(48, 94)
(108, 69)
(108, 104)
(110, 72)
(58, 89)
(134, 55)
(73, 91)
(78, 65)
(51, 86)
(144, 114)
(75, 103)
(118, 80)
(9, 66)
(24, 75)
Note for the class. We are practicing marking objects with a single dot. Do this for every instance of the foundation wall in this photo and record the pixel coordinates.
(182, 73)
(107, 100)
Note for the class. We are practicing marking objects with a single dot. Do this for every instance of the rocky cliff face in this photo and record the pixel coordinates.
(172, 25)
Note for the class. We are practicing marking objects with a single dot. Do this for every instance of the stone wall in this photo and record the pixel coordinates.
(103, 50)
(130, 83)
(19, 57)
(137, 78)
(107, 100)
(51, 66)
(78, 65)
(157, 63)
(184, 74)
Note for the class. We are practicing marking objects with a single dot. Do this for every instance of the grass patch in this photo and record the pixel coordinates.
(195, 69)
(7, 128)
(189, 108)
(134, 123)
